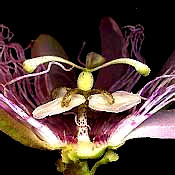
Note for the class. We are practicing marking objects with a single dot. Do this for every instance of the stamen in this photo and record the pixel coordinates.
(143, 69)
(67, 97)
(59, 92)
(109, 97)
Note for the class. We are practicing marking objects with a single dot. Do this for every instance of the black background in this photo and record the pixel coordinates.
(71, 25)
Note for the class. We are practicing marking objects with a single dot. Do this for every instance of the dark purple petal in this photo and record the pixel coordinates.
(46, 45)
(112, 42)
(161, 125)
(119, 77)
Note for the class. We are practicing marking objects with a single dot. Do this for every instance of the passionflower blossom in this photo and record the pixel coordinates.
(46, 110)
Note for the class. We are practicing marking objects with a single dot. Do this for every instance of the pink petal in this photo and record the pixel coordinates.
(161, 125)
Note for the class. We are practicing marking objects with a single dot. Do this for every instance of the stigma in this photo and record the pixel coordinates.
(85, 80)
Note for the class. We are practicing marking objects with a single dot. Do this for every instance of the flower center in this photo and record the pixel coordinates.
(84, 84)
(81, 118)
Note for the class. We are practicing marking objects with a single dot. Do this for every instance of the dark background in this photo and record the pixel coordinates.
(71, 26)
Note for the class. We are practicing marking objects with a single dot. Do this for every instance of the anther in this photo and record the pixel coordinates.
(110, 99)
(67, 97)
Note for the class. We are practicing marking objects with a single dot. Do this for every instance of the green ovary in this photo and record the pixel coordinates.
(82, 150)
(74, 158)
